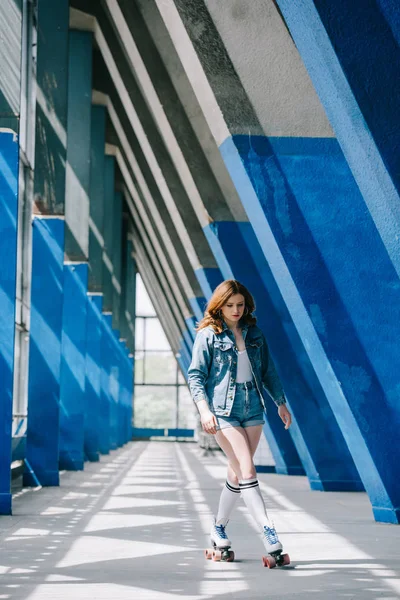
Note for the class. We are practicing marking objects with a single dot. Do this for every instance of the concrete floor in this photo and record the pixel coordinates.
(135, 525)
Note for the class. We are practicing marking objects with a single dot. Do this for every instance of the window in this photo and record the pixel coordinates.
(162, 399)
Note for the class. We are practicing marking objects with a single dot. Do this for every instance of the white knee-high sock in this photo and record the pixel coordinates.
(254, 501)
(229, 496)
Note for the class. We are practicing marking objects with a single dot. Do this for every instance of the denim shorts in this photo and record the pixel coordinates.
(247, 409)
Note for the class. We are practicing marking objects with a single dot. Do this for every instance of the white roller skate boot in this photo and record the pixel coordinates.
(218, 535)
(274, 549)
(221, 544)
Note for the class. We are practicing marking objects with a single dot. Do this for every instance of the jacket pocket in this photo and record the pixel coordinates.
(222, 352)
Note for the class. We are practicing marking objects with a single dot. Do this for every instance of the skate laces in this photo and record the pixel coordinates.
(271, 535)
(220, 529)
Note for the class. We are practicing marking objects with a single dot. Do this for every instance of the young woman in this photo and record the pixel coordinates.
(230, 368)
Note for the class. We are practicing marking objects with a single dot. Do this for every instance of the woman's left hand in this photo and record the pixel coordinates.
(285, 415)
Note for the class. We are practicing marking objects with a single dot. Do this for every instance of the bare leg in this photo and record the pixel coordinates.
(239, 446)
(230, 493)
(235, 445)
(253, 437)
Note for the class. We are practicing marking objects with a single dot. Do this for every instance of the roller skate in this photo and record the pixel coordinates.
(274, 549)
(221, 544)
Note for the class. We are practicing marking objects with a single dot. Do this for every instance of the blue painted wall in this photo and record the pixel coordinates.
(94, 329)
(208, 279)
(105, 398)
(8, 250)
(47, 286)
(73, 367)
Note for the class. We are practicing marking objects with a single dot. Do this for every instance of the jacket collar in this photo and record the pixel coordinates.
(244, 328)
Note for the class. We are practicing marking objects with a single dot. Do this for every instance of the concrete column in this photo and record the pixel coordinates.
(128, 312)
(128, 288)
(73, 364)
(117, 259)
(350, 51)
(95, 284)
(8, 247)
(107, 412)
(94, 331)
(47, 287)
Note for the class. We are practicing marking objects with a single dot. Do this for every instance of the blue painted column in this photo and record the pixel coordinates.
(9, 152)
(108, 420)
(208, 279)
(351, 51)
(329, 466)
(77, 192)
(94, 329)
(236, 262)
(113, 380)
(73, 367)
(42, 447)
(342, 312)
(105, 443)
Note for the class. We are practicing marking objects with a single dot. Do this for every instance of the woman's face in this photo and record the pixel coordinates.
(233, 309)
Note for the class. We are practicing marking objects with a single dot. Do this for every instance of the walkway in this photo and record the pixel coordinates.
(134, 526)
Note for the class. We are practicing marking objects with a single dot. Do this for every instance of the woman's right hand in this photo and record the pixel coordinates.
(209, 422)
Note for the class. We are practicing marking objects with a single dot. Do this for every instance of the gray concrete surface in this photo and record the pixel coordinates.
(134, 527)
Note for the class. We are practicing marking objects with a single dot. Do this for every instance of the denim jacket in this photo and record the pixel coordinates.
(212, 372)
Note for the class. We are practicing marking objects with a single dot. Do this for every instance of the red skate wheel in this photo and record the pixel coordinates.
(269, 561)
(231, 557)
(285, 559)
(216, 555)
(208, 553)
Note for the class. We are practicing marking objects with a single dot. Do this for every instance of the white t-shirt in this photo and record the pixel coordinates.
(244, 372)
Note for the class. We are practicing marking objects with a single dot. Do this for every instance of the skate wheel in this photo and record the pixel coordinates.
(216, 555)
(285, 559)
(269, 561)
(231, 556)
(208, 553)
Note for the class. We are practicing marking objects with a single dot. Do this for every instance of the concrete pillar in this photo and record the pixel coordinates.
(73, 364)
(350, 51)
(8, 246)
(95, 284)
(128, 312)
(10, 89)
(108, 407)
(94, 331)
(128, 288)
(47, 284)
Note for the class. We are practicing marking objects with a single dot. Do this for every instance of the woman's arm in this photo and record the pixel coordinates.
(197, 376)
(272, 383)
(199, 367)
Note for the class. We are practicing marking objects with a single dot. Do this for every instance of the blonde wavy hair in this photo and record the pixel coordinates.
(222, 293)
